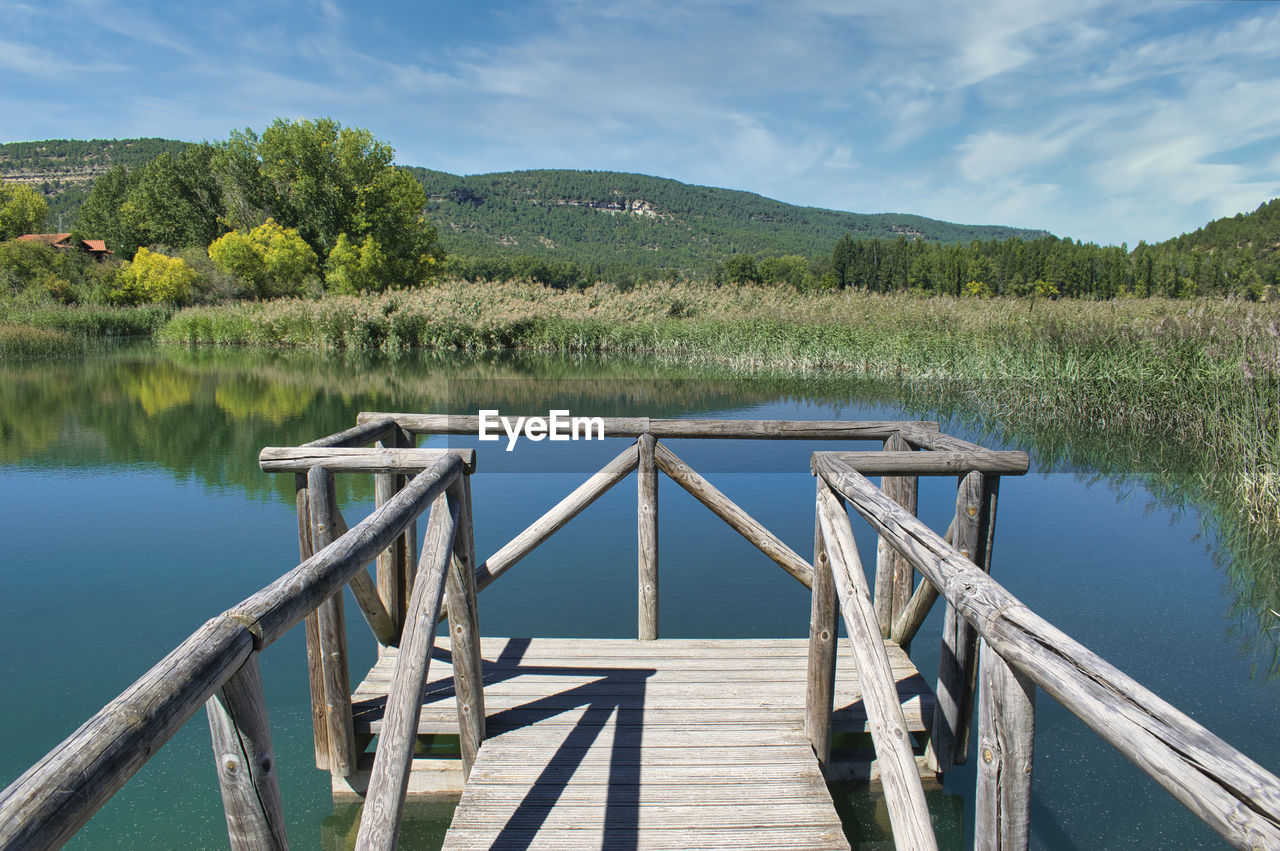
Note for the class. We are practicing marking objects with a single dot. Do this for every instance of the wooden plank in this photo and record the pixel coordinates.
(241, 737)
(389, 781)
(389, 565)
(363, 588)
(564, 511)
(695, 817)
(908, 812)
(796, 839)
(904, 462)
(1227, 790)
(56, 796)
(580, 795)
(729, 511)
(647, 538)
(1006, 726)
(680, 428)
(299, 459)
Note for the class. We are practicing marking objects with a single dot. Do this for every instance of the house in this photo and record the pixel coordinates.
(96, 248)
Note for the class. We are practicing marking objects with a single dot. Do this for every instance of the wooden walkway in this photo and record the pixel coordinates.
(673, 743)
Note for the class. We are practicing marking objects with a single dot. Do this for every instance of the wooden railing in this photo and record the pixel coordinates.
(1019, 651)
(218, 666)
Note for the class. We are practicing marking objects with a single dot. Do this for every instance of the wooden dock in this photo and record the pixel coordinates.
(653, 742)
(666, 743)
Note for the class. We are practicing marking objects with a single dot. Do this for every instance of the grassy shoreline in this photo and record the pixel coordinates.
(58, 331)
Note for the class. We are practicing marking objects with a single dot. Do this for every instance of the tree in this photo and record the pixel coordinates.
(153, 277)
(741, 269)
(271, 260)
(172, 200)
(326, 181)
(22, 210)
(842, 259)
(355, 268)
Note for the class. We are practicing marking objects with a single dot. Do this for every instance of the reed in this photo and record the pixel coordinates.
(24, 341)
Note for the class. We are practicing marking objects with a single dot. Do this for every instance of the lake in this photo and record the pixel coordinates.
(134, 510)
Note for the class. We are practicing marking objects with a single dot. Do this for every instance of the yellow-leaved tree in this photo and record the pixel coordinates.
(153, 277)
(269, 260)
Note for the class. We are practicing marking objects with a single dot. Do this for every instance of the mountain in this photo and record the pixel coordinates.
(63, 170)
(1254, 236)
(608, 220)
(599, 220)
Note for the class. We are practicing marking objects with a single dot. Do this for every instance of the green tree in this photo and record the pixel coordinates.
(741, 269)
(153, 277)
(22, 210)
(842, 258)
(271, 260)
(327, 181)
(355, 268)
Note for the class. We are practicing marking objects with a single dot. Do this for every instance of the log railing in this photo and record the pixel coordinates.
(402, 605)
(217, 666)
(1021, 650)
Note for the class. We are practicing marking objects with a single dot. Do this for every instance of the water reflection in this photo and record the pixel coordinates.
(205, 413)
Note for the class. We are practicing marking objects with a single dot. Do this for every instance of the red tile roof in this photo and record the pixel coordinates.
(97, 245)
(50, 238)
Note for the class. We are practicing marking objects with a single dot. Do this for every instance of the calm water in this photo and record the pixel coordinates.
(133, 510)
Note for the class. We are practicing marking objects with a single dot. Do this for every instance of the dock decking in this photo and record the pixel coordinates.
(647, 744)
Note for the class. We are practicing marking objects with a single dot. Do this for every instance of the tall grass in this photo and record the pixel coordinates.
(1202, 375)
(89, 320)
(24, 341)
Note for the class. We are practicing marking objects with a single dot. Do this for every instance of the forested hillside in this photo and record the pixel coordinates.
(1255, 234)
(612, 222)
(64, 170)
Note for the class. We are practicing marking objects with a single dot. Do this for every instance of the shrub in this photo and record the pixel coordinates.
(152, 277)
(270, 260)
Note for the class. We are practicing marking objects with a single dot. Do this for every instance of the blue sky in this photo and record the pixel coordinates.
(1102, 121)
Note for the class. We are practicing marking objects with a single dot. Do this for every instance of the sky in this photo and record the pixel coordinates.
(1107, 122)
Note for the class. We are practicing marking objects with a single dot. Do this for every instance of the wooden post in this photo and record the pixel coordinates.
(464, 631)
(387, 571)
(315, 667)
(894, 574)
(824, 616)
(394, 562)
(1006, 730)
(647, 521)
(957, 667)
(333, 636)
(246, 764)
